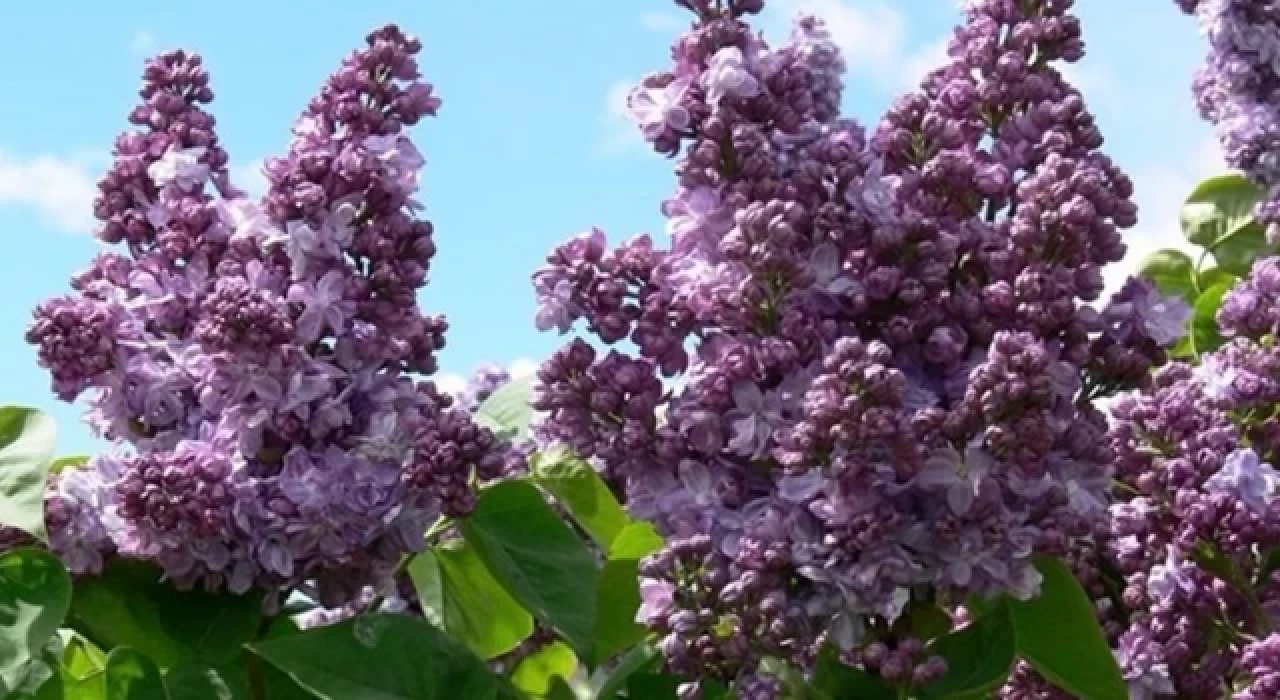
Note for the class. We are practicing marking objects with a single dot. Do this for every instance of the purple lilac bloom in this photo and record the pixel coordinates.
(481, 385)
(1198, 499)
(1237, 89)
(1139, 325)
(886, 352)
(263, 363)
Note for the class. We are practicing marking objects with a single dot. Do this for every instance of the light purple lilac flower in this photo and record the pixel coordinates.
(262, 364)
(1235, 89)
(884, 340)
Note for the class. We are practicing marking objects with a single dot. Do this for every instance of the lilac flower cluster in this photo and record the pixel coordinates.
(1238, 90)
(888, 353)
(263, 361)
(481, 385)
(1195, 529)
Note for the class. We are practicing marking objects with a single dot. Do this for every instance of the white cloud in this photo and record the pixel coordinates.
(249, 177)
(1160, 190)
(142, 42)
(1091, 79)
(59, 189)
(449, 382)
(454, 383)
(523, 367)
(922, 62)
(620, 134)
(871, 33)
(661, 22)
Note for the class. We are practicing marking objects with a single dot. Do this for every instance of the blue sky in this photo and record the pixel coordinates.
(529, 147)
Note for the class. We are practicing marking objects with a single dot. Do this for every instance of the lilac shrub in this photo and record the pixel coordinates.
(887, 342)
(262, 364)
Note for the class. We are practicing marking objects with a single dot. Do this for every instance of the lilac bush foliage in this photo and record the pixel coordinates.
(887, 341)
(262, 363)
(1238, 90)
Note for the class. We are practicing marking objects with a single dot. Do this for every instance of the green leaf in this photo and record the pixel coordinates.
(131, 675)
(924, 620)
(507, 411)
(979, 656)
(1058, 633)
(1236, 253)
(460, 596)
(128, 605)
(382, 657)
(618, 591)
(278, 686)
(607, 683)
(199, 682)
(636, 541)
(1172, 272)
(653, 686)
(26, 450)
(714, 690)
(1219, 207)
(541, 673)
(1204, 336)
(35, 593)
(72, 462)
(537, 558)
(92, 687)
(577, 486)
(82, 658)
(428, 583)
(41, 679)
(51, 689)
(618, 598)
(83, 669)
(1214, 276)
(833, 680)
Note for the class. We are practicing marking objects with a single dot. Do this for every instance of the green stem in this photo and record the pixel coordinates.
(1218, 563)
(1195, 274)
(440, 526)
(1195, 286)
(253, 664)
(253, 670)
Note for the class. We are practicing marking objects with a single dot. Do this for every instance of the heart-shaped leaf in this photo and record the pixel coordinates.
(537, 559)
(580, 490)
(382, 657)
(26, 451)
(129, 605)
(35, 594)
(978, 656)
(1219, 207)
(507, 411)
(1058, 633)
(459, 595)
(1172, 272)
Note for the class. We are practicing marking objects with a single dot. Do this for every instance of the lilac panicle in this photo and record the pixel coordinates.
(885, 346)
(1237, 89)
(263, 363)
(1193, 600)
